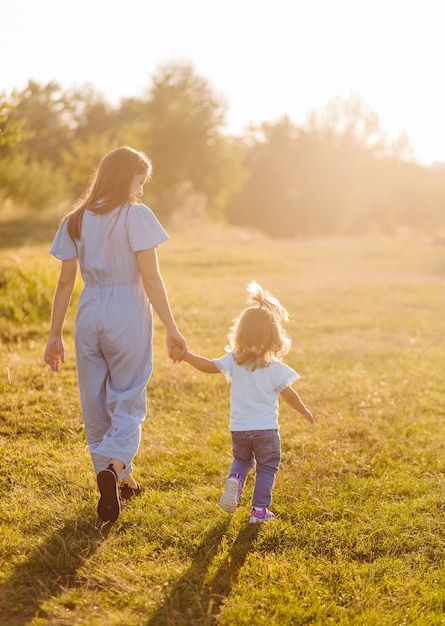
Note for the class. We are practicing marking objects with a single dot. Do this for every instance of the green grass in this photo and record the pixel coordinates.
(360, 495)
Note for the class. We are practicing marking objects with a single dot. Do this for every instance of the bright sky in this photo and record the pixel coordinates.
(266, 58)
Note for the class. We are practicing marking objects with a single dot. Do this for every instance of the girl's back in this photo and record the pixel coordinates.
(254, 393)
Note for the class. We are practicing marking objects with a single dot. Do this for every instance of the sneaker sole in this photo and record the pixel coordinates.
(257, 520)
(229, 499)
(108, 507)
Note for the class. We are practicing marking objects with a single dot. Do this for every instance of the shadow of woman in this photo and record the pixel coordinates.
(50, 568)
(191, 600)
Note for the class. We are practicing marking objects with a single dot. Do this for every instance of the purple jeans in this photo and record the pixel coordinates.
(262, 447)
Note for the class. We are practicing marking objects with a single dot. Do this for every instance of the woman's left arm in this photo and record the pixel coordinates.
(55, 353)
(155, 289)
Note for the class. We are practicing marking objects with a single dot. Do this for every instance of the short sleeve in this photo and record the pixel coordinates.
(283, 376)
(144, 229)
(63, 247)
(225, 365)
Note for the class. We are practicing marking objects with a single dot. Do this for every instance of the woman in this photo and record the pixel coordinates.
(114, 239)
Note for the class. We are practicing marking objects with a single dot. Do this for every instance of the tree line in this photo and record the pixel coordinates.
(338, 173)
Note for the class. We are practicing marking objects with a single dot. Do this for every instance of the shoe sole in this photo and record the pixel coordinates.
(257, 520)
(229, 499)
(108, 507)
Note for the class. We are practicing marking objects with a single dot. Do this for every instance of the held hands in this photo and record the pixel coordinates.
(176, 346)
(177, 354)
(54, 353)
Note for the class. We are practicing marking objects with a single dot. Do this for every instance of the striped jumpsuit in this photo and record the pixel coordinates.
(113, 334)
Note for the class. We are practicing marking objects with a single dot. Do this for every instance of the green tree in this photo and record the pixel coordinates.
(49, 119)
(25, 177)
(181, 126)
(12, 132)
(271, 197)
(333, 174)
(95, 131)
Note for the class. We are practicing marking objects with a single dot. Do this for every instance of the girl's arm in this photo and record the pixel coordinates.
(157, 294)
(55, 353)
(293, 399)
(200, 363)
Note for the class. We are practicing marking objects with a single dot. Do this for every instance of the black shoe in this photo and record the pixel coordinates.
(109, 506)
(128, 492)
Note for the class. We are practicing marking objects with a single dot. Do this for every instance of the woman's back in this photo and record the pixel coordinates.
(105, 255)
(108, 242)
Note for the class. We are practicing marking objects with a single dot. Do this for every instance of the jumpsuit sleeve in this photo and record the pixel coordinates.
(225, 364)
(63, 247)
(144, 229)
(284, 376)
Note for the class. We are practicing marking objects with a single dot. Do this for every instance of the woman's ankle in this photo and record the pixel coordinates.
(129, 481)
(117, 465)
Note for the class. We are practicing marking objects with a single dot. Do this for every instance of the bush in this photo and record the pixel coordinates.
(37, 184)
(26, 294)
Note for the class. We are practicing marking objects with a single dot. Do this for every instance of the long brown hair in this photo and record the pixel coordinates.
(257, 334)
(110, 185)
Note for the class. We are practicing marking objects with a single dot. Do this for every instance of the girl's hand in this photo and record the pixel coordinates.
(54, 353)
(176, 345)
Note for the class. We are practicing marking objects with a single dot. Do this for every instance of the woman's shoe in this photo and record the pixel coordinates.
(109, 506)
(128, 492)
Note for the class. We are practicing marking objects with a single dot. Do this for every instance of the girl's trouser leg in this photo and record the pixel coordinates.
(243, 459)
(266, 447)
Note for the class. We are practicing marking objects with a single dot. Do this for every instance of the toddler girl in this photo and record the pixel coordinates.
(257, 342)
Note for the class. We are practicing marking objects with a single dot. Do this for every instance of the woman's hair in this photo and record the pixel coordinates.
(110, 185)
(257, 334)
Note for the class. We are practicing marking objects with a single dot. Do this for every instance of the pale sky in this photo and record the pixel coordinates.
(265, 58)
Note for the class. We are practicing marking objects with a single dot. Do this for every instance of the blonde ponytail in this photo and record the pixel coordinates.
(257, 334)
(256, 295)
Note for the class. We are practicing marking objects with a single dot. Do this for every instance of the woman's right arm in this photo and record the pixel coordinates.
(155, 289)
(54, 353)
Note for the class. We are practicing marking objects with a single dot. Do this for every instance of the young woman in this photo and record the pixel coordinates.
(114, 239)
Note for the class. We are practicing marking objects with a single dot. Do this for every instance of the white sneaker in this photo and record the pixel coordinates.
(232, 491)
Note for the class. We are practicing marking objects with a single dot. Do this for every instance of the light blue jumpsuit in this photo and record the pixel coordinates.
(113, 327)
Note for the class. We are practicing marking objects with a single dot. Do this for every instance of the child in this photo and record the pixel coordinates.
(114, 238)
(257, 342)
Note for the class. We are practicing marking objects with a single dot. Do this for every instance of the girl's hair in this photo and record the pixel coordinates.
(257, 334)
(110, 185)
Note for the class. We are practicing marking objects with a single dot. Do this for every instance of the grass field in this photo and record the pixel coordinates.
(360, 534)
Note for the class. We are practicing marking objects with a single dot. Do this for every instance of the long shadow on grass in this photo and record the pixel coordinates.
(191, 601)
(50, 568)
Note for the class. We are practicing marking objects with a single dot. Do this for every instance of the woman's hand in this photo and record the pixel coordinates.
(176, 345)
(54, 353)
(307, 414)
(178, 354)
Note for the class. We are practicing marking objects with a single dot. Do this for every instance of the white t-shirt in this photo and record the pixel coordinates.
(254, 395)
